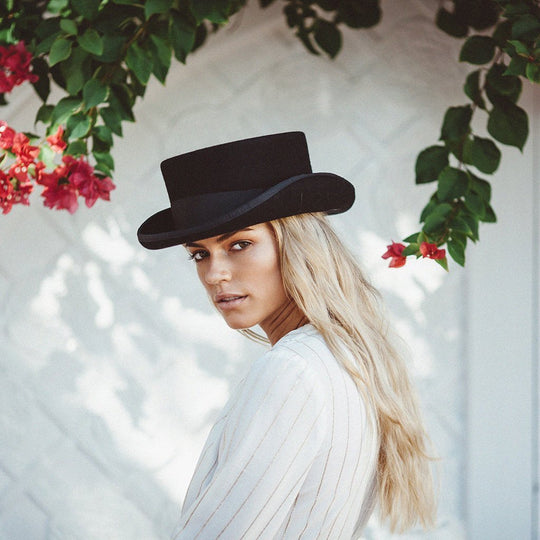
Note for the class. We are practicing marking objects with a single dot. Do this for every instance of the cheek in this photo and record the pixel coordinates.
(268, 275)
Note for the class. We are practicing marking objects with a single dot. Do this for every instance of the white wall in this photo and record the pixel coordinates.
(112, 363)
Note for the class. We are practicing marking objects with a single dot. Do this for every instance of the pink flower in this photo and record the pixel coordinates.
(90, 186)
(394, 251)
(6, 193)
(431, 252)
(62, 196)
(23, 150)
(19, 171)
(15, 64)
(6, 135)
(56, 141)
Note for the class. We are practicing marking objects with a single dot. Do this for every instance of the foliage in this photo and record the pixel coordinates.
(102, 53)
(462, 158)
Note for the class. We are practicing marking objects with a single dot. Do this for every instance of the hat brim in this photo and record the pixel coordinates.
(314, 192)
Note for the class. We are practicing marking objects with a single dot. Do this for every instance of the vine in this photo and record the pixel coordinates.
(102, 53)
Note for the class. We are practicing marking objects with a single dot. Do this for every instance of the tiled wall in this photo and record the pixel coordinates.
(112, 363)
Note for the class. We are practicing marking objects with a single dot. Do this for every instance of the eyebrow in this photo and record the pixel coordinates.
(221, 238)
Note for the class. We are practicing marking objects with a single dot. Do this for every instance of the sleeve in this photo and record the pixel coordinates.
(272, 436)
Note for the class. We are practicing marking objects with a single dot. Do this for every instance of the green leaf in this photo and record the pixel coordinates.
(456, 123)
(105, 162)
(112, 120)
(532, 71)
(475, 204)
(451, 24)
(140, 62)
(411, 249)
(60, 50)
(519, 46)
(526, 28)
(78, 126)
(517, 66)
(91, 41)
(498, 84)
(472, 89)
(429, 208)
(87, 8)
(44, 114)
(161, 53)
(182, 36)
(502, 33)
(216, 11)
(437, 218)
(76, 69)
(103, 133)
(459, 225)
(516, 8)
(485, 155)
(442, 262)
(47, 155)
(156, 6)
(43, 85)
(55, 6)
(76, 148)
(69, 27)
(453, 184)
(472, 222)
(477, 50)
(430, 162)
(489, 216)
(413, 238)
(509, 124)
(482, 187)
(64, 109)
(456, 250)
(94, 93)
(47, 27)
(122, 100)
(112, 48)
(328, 37)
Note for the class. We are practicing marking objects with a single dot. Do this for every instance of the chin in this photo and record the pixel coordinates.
(236, 324)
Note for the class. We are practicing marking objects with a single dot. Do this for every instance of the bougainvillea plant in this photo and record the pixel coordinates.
(102, 53)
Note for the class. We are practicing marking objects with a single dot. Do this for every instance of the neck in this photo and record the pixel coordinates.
(285, 319)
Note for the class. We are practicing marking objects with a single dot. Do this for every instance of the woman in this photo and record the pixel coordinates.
(325, 425)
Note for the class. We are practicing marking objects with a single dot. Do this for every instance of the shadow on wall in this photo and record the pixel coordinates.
(103, 412)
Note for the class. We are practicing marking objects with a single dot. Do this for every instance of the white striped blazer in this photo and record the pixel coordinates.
(292, 456)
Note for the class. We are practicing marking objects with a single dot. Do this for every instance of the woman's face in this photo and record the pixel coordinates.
(242, 276)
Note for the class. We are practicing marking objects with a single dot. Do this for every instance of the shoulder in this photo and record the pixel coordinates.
(294, 357)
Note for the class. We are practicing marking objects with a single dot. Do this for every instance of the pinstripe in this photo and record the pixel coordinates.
(207, 487)
(248, 462)
(237, 404)
(345, 456)
(312, 475)
(283, 476)
(330, 446)
(272, 460)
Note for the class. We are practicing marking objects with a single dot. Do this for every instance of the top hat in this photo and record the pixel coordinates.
(234, 185)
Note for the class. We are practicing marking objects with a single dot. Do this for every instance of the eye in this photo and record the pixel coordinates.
(240, 245)
(198, 256)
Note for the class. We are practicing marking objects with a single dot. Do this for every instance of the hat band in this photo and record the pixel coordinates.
(198, 209)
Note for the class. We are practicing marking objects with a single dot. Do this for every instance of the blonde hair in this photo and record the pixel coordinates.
(324, 280)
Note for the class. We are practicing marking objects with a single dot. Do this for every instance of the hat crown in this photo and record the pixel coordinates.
(256, 163)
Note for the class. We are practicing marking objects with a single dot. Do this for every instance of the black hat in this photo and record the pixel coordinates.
(231, 186)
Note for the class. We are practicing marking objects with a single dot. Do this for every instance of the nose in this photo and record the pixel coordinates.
(218, 270)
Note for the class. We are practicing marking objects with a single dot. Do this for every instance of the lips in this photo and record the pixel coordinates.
(225, 301)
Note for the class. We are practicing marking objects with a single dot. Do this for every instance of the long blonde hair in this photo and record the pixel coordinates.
(324, 280)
